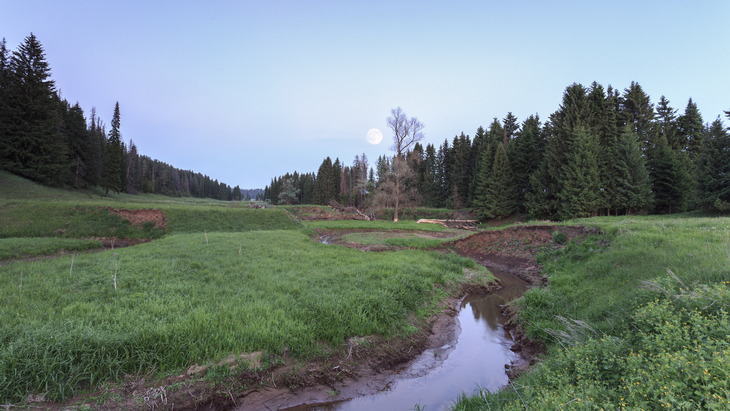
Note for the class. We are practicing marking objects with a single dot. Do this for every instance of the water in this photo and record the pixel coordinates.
(436, 378)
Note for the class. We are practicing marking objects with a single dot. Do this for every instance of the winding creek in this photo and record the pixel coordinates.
(475, 359)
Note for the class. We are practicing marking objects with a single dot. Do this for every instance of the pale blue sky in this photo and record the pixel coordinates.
(246, 90)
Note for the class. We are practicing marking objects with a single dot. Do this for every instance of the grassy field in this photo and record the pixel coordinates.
(219, 280)
(635, 319)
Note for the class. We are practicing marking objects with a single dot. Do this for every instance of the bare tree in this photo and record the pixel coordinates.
(406, 132)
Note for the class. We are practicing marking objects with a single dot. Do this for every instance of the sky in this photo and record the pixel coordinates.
(244, 91)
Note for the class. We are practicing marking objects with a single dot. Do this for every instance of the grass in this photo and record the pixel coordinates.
(180, 301)
(30, 247)
(637, 318)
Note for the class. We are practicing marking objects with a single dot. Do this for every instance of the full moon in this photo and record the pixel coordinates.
(375, 136)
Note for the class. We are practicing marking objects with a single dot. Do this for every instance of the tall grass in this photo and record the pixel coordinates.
(179, 301)
(635, 319)
(29, 247)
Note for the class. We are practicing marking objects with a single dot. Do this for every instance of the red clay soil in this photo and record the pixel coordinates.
(514, 249)
(141, 216)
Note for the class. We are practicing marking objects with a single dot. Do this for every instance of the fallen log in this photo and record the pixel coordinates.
(457, 224)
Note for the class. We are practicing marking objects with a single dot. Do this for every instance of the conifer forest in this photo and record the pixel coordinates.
(47, 139)
(603, 152)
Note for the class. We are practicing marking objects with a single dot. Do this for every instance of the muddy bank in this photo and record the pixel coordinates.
(515, 249)
(361, 366)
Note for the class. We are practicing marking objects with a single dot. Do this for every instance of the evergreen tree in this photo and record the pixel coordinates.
(669, 165)
(474, 156)
(525, 155)
(4, 89)
(665, 171)
(132, 179)
(638, 112)
(545, 197)
(580, 183)
(111, 176)
(325, 183)
(602, 123)
(690, 130)
(460, 170)
(74, 130)
(500, 186)
(713, 169)
(430, 185)
(32, 144)
(96, 141)
(511, 129)
(633, 194)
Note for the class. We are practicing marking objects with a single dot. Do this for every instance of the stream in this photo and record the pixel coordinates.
(434, 380)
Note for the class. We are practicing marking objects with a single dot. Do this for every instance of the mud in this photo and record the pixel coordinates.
(140, 217)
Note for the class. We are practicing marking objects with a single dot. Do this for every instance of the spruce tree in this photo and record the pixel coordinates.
(545, 197)
(690, 129)
(500, 186)
(78, 143)
(324, 184)
(111, 176)
(4, 106)
(669, 164)
(525, 155)
(638, 112)
(713, 169)
(633, 187)
(665, 171)
(32, 143)
(602, 123)
(579, 177)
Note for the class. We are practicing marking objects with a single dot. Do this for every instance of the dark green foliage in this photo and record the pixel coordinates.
(580, 163)
(525, 154)
(638, 112)
(690, 130)
(580, 182)
(32, 143)
(44, 138)
(713, 169)
(669, 177)
(501, 193)
(633, 193)
(111, 175)
(325, 183)
(460, 170)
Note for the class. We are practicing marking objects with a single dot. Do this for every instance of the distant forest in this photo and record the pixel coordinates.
(601, 153)
(46, 139)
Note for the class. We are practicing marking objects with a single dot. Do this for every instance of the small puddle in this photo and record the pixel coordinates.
(436, 378)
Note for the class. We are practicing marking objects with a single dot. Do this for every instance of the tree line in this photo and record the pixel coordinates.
(603, 152)
(46, 139)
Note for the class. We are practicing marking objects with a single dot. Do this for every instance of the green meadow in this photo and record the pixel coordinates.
(219, 280)
(633, 319)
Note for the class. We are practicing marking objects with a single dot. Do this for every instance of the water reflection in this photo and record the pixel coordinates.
(436, 378)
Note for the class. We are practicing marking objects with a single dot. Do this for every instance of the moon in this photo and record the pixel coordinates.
(375, 136)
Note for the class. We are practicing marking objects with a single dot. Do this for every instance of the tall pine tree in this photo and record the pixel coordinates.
(32, 143)
(713, 169)
(111, 176)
